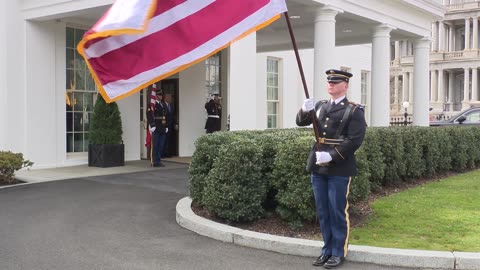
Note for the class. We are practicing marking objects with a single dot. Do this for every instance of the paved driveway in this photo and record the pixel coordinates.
(117, 222)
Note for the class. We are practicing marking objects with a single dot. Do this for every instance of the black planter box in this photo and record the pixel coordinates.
(106, 155)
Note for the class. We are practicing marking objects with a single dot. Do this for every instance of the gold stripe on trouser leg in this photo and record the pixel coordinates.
(347, 217)
(151, 150)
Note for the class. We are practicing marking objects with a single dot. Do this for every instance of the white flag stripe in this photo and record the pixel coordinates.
(156, 24)
(118, 88)
(125, 14)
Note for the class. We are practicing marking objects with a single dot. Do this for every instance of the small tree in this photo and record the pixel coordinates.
(106, 123)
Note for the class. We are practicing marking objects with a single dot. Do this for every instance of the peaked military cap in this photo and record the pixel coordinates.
(334, 75)
(159, 92)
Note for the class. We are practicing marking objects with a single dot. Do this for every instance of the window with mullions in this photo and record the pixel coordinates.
(213, 81)
(80, 95)
(272, 93)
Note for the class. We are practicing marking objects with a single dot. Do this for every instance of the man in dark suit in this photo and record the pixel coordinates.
(214, 114)
(171, 122)
(157, 121)
(341, 126)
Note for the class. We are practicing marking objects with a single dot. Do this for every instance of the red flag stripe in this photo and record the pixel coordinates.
(160, 21)
(200, 31)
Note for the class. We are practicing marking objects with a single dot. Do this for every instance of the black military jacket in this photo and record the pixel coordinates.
(213, 109)
(329, 119)
(158, 118)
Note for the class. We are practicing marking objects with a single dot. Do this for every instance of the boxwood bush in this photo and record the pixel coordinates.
(235, 188)
(239, 176)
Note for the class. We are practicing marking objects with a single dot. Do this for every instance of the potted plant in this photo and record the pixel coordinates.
(106, 148)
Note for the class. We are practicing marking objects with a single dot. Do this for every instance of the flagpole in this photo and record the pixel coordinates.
(151, 147)
(305, 88)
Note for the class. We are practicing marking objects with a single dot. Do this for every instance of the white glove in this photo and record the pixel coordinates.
(166, 130)
(323, 157)
(308, 105)
(152, 129)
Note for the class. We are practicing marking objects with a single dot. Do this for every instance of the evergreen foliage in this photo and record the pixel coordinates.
(9, 163)
(105, 123)
(239, 175)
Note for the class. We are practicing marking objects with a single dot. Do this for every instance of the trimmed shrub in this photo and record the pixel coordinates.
(9, 164)
(234, 189)
(370, 159)
(206, 151)
(105, 123)
(360, 186)
(460, 158)
(393, 151)
(413, 153)
(292, 181)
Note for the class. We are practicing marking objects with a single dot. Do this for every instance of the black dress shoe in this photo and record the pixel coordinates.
(333, 262)
(159, 165)
(321, 260)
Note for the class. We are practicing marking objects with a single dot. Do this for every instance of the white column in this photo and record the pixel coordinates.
(411, 88)
(451, 38)
(242, 57)
(380, 76)
(441, 87)
(421, 67)
(441, 36)
(475, 34)
(474, 84)
(467, 34)
(397, 50)
(434, 36)
(451, 86)
(324, 46)
(395, 90)
(405, 86)
(403, 48)
(433, 85)
(466, 84)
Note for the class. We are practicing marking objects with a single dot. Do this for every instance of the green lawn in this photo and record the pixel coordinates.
(442, 215)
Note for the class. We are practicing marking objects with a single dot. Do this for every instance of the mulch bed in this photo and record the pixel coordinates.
(272, 224)
(2, 184)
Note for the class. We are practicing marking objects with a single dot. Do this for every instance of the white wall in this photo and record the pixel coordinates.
(191, 112)
(292, 93)
(243, 100)
(129, 111)
(3, 78)
(40, 131)
(14, 41)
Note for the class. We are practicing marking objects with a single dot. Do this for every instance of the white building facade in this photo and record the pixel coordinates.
(454, 62)
(40, 72)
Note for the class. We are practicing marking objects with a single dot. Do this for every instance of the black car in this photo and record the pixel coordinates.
(468, 117)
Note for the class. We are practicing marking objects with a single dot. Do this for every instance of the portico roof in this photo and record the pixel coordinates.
(355, 21)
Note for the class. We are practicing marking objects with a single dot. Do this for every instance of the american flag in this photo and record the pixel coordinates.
(153, 98)
(139, 42)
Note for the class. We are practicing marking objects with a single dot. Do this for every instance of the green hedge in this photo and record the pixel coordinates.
(238, 176)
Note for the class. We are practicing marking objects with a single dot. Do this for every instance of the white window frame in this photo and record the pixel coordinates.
(276, 87)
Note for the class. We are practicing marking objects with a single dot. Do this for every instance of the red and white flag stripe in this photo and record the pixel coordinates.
(138, 42)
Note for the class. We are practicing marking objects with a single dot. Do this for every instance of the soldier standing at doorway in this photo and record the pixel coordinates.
(157, 121)
(214, 112)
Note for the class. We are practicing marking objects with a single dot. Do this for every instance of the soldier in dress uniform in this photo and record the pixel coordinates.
(157, 121)
(214, 114)
(341, 126)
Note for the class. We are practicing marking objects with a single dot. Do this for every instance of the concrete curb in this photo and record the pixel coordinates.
(309, 248)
